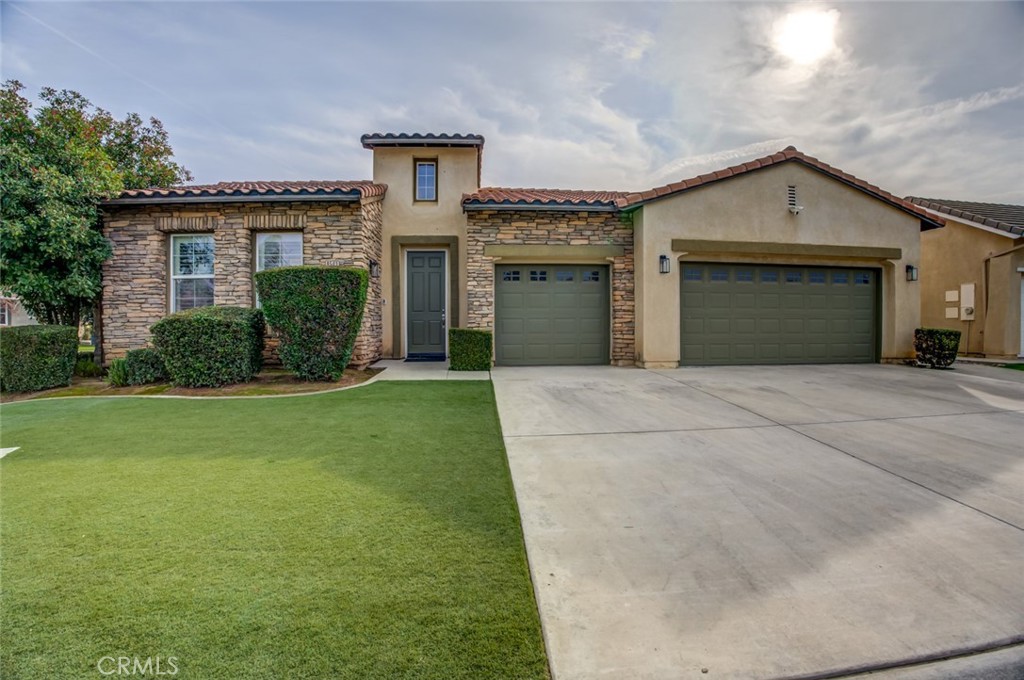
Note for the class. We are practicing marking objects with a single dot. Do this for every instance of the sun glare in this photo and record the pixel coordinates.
(807, 35)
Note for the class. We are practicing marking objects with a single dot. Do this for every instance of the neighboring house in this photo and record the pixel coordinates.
(12, 313)
(780, 260)
(972, 275)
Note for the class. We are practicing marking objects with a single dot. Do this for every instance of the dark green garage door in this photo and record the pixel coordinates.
(763, 314)
(551, 314)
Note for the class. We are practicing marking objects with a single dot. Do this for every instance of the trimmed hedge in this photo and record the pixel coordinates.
(469, 349)
(210, 346)
(317, 312)
(37, 357)
(936, 347)
(144, 366)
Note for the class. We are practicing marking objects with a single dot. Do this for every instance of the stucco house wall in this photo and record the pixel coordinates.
(136, 279)
(752, 208)
(411, 225)
(963, 254)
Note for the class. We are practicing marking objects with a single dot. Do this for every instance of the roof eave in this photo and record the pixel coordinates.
(561, 207)
(346, 197)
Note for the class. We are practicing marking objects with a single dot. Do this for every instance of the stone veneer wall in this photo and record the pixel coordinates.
(136, 278)
(550, 227)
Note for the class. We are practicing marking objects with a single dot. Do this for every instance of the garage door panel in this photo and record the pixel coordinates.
(772, 314)
(551, 315)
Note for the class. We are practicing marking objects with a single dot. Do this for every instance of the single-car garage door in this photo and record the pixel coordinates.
(551, 314)
(763, 314)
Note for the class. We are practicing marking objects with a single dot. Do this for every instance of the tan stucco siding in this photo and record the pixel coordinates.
(955, 255)
(753, 208)
(457, 174)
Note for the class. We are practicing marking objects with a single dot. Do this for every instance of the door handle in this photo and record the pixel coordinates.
(444, 318)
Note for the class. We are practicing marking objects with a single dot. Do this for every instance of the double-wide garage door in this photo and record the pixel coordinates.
(551, 314)
(762, 314)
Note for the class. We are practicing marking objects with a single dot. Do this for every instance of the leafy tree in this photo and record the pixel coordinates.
(58, 162)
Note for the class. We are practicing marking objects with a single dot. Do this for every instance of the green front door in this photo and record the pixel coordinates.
(426, 299)
(551, 314)
(775, 314)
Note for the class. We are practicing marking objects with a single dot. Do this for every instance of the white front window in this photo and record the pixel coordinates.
(426, 180)
(191, 271)
(278, 250)
(5, 313)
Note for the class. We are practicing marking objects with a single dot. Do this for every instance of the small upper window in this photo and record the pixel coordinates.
(512, 275)
(593, 275)
(563, 276)
(538, 275)
(426, 180)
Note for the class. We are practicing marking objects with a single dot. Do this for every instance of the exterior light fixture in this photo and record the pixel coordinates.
(911, 273)
(664, 264)
(374, 269)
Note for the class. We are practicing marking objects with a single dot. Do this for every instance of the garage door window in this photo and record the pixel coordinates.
(538, 275)
(744, 276)
(592, 276)
(693, 274)
(794, 277)
(862, 279)
(563, 276)
(816, 278)
(840, 279)
(510, 275)
(720, 275)
(769, 277)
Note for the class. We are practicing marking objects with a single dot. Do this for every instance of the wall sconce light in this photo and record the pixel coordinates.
(664, 264)
(374, 269)
(911, 273)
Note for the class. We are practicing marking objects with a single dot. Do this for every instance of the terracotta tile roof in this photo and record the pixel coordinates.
(491, 197)
(996, 215)
(238, 190)
(375, 139)
(788, 154)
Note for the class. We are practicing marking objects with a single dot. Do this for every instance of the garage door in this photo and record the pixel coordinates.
(747, 314)
(551, 314)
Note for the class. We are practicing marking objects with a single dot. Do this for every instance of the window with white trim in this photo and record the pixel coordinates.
(277, 249)
(426, 181)
(191, 271)
(5, 313)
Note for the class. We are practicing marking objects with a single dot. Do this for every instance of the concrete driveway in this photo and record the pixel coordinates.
(767, 522)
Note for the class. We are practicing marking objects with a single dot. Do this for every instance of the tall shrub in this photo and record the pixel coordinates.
(37, 357)
(317, 312)
(210, 346)
(469, 349)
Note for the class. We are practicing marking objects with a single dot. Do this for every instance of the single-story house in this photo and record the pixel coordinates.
(972, 275)
(784, 259)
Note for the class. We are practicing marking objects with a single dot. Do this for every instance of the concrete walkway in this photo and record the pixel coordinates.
(399, 369)
(770, 522)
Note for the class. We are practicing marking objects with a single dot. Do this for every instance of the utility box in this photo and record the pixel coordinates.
(967, 302)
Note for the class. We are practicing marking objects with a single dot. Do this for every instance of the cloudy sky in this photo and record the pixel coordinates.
(920, 98)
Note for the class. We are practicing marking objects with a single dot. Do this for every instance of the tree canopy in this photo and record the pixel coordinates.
(59, 160)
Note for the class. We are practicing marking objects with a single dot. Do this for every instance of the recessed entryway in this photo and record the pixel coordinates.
(426, 299)
(552, 314)
(777, 314)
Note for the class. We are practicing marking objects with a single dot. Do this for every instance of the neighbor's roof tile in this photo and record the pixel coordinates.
(1004, 216)
(555, 198)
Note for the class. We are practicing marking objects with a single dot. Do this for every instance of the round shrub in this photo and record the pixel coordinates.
(936, 347)
(317, 312)
(37, 357)
(469, 349)
(210, 346)
(144, 366)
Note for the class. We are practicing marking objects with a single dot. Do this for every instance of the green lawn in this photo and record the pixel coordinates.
(371, 533)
